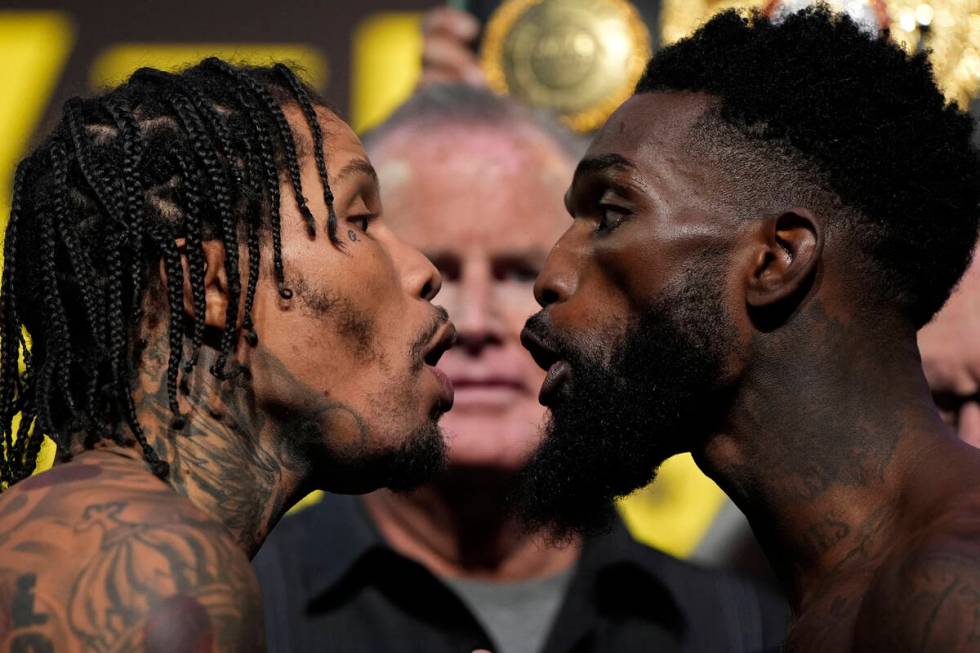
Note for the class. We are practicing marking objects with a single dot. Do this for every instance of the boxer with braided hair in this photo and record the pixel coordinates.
(182, 319)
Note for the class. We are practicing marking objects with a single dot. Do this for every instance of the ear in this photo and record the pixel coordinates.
(787, 252)
(215, 283)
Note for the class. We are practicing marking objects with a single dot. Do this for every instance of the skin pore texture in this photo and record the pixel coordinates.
(339, 393)
(815, 417)
(951, 357)
(483, 202)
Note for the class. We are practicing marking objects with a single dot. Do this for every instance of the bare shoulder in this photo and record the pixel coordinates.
(121, 565)
(926, 597)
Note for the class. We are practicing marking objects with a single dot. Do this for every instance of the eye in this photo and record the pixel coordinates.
(449, 266)
(361, 221)
(515, 269)
(611, 216)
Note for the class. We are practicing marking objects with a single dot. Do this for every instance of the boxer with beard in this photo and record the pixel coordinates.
(757, 235)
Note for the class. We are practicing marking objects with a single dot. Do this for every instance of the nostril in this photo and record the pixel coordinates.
(547, 297)
(429, 290)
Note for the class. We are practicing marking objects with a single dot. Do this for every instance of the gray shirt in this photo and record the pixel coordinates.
(517, 615)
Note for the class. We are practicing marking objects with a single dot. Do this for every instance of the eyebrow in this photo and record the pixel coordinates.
(602, 163)
(357, 167)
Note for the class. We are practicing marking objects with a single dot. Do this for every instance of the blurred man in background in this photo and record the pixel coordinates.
(950, 347)
(477, 182)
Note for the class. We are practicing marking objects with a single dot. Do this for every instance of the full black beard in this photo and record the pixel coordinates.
(622, 413)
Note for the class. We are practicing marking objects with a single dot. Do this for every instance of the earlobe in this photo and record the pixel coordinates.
(785, 261)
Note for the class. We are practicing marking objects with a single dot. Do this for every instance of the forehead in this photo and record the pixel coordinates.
(462, 186)
(340, 142)
(652, 130)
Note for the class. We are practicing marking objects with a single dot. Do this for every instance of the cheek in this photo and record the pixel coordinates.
(634, 269)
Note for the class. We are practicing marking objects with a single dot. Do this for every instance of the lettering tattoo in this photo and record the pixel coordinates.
(22, 607)
(352, 235)
(23, 620)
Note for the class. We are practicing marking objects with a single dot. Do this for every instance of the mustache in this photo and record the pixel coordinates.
(539, 325)
(420, 344)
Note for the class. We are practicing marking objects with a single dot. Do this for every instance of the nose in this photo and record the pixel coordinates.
(419, 276)
(476, 316)
(968, 424)
(557, 280)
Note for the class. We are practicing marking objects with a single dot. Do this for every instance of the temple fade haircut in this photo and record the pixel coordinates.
(813, 108)
(145, 173)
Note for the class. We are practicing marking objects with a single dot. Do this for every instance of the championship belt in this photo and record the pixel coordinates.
(580, 58)
(949, 29)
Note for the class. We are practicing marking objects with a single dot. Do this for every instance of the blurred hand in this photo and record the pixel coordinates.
(950, 347)
(447, 48)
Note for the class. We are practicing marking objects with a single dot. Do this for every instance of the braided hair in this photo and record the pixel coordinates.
(100, 204)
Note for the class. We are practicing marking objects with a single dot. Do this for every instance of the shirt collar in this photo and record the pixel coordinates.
(339, 533)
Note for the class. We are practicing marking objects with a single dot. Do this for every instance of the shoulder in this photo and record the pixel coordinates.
(114, 568)
(927, 597)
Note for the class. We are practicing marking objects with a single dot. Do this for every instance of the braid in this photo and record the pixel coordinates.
(83, 268)
(58, 354)
(270, 176)
(175, 292)
(132, 189)
(195, 257)
(321, 165)
(62, 362)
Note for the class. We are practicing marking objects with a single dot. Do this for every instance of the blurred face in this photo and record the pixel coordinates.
(484, 204)
(634, 330)
(950, 347)
(347, 362)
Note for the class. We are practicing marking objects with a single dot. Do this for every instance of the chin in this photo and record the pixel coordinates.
(408, 462)
(484, 442)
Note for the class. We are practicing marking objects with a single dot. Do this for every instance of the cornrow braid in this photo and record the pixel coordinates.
(97, 209)
(321, 165)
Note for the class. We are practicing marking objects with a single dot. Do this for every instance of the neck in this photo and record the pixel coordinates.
(458, 526)
(819, 455)
(226, 460)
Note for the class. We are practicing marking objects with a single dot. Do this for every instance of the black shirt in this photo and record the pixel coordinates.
(331, 584)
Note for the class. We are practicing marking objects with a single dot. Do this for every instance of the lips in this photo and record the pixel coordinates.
(441, 343)
(444, 340)
(547, 359)
(447, 394)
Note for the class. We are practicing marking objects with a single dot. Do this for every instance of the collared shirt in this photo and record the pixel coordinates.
(330, 583)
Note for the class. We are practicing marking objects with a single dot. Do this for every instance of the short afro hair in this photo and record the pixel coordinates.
(866, 121)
